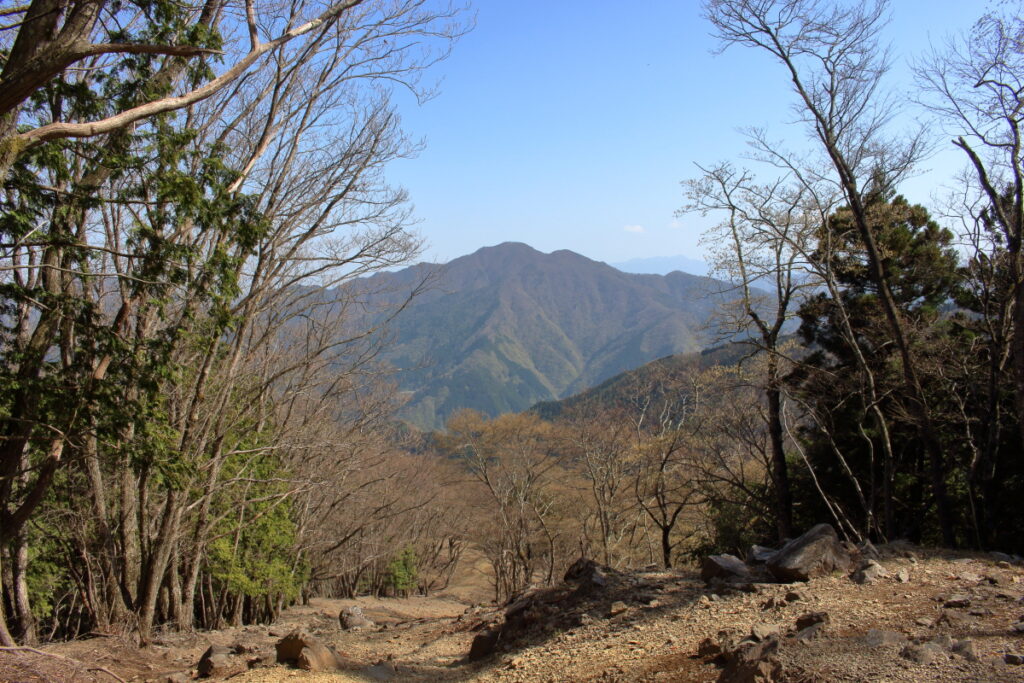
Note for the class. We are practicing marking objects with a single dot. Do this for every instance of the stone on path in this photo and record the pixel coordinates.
(215, 661)
(304, 651)
(727, 567)
(818, 552)
(869, 572)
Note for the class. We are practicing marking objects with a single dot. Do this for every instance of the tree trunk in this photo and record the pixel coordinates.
(780, 468)
(156, 565)
(26, 633)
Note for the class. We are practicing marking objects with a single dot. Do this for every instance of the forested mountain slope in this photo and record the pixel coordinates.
(508, 326)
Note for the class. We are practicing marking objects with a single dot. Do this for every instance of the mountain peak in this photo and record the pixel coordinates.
(508, 325)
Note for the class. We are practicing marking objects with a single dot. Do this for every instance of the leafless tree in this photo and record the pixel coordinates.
(836, 66)
(762, 244)
(975, 84)
(513, 458)
(601, 445)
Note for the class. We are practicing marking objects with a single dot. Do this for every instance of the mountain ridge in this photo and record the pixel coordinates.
(508, 326)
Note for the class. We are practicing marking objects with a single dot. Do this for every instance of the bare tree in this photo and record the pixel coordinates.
(976, 85)
(836, 66)
(762, 244)
(601, 445)
(513, 458)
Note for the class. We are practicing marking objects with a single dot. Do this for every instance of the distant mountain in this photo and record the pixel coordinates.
(662, 265)
(508, 326)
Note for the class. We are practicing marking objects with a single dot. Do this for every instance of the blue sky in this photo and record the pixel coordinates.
(569, 124)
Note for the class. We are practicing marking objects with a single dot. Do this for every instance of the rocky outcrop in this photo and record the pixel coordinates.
(587, 575)
(589, 593)
(818, 552)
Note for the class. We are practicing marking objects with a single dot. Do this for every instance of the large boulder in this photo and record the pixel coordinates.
(759, 554)
(304, 651)
(724, 567)
(816, 553)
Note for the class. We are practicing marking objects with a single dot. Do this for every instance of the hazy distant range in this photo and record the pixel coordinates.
(507, 326)
(662, 265)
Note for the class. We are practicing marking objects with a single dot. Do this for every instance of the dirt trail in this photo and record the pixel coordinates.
(654, 636)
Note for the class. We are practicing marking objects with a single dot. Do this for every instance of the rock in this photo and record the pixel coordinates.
(868, 551)
(763, 631)
(966, 649)
(945, 641)
(869, 572)
(903, 576)
(1018, 628)
(215, 661)
(809, 633)
(618, 607)
(759, 554)
(484, 643)
(812, 618)
(922, 654)
(352, 619)
(818, 552)
(259, 662)
(304, 651)
(796, 596)
(752, 662)
(727, 567)
(924, 621)
(1014, 659)
(381, 671)
(587, 574)
(176, 677)
(876, 637)
(709, 647)
(646, 598)
(957, 601)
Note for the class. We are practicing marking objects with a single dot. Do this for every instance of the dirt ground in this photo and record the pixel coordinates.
(928, 597)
